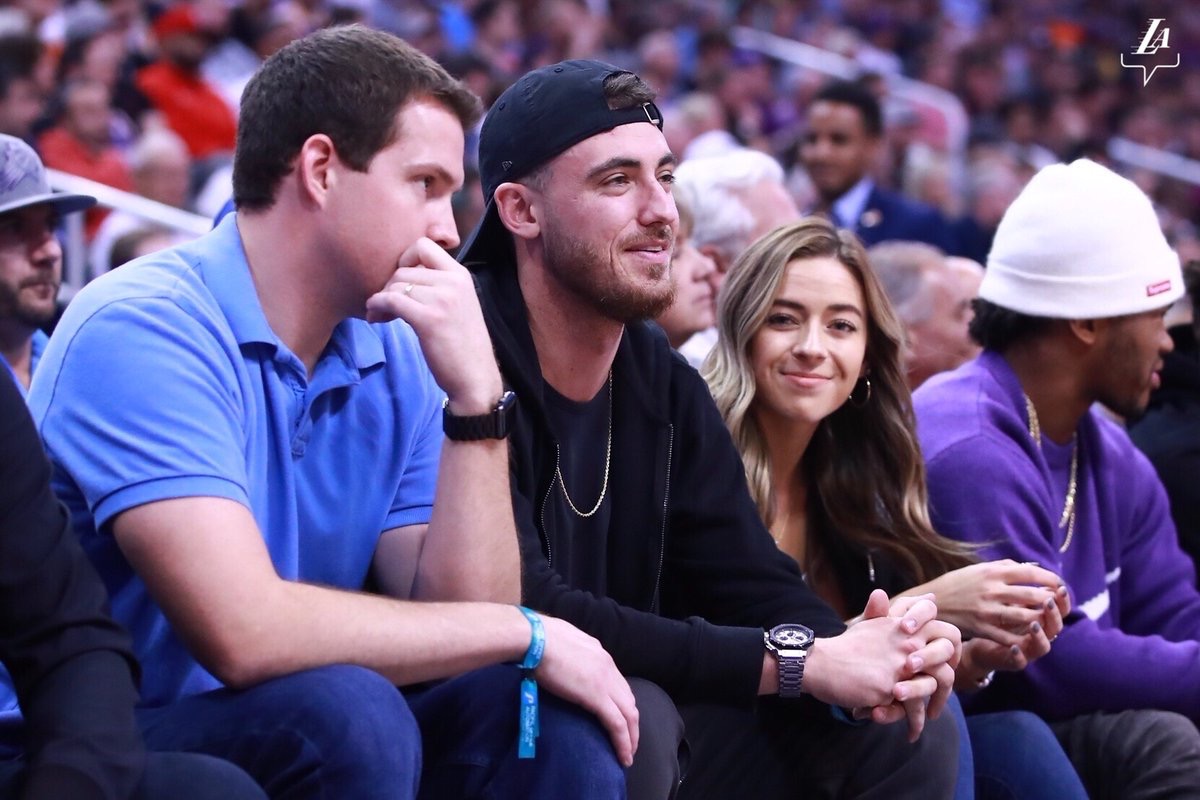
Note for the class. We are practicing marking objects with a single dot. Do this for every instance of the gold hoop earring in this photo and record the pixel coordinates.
(861, 403)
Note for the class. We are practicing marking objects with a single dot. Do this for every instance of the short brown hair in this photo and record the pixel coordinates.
(348, 83)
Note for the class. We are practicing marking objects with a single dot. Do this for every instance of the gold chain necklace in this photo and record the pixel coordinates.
(607, 460)
(1067, 520)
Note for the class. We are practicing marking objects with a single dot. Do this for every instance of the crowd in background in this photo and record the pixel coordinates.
(830, 336)
(87, 82)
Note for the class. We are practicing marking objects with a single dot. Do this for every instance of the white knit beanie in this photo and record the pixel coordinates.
(1081, 242)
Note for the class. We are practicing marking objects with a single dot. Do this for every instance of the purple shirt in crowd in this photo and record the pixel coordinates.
(1133, 637)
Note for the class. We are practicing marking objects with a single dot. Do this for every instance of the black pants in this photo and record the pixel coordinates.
(1134, 755)
(787, 749)
(178, 776)
(662, 755)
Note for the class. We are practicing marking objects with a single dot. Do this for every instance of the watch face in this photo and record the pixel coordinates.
(791, 637)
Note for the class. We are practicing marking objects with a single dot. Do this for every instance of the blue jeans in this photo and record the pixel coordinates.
(1012, 755)
(346, 732)
(469, 725)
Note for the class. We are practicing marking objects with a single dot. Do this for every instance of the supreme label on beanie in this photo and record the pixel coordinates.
(1158, 288)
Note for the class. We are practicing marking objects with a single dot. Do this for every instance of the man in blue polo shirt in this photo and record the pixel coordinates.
(242, 454)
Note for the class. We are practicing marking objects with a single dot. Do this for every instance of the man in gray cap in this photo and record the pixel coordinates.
(1070, 313)
(30, 255)
(73, 733)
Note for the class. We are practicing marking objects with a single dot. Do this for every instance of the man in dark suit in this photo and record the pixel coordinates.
(840, 148)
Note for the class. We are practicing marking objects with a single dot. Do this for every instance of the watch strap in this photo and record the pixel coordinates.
(791, 674)
(493, 425)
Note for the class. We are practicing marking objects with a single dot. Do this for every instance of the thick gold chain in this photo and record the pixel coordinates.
(1067, 519)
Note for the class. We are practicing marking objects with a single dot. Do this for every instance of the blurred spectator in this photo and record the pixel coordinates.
(468, 204)
(840, 149)
(694, 306)
(1169, 432)
(80, 143)
(191, 106)
(695, 127)
(994, 182)
(102, 56)
(1022, 119)
(933, 302)
(140, 242)
(21, 99)
(660, 64)
(161, 166)
(498, 39)
(564, 29)
(231, 63)
(736, 198)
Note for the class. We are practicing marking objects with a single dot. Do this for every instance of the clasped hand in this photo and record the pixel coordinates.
(897, 662)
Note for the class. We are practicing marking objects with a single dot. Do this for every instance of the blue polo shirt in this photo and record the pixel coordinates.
(164, 380)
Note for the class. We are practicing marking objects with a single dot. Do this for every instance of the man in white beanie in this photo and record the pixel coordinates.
(1070, 313)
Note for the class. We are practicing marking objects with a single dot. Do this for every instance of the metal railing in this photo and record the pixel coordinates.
(75, 249)
(1163, 162)
(804, 55)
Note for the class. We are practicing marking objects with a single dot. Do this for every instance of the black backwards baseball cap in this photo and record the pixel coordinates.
(544, 113)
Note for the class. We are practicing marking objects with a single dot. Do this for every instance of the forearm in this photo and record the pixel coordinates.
(300, 626)
(690, 659)
(470, 549)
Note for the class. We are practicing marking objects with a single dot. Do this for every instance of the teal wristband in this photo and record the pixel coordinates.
(529, 724)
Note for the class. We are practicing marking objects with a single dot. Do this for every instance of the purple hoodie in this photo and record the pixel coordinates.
(1133, 637)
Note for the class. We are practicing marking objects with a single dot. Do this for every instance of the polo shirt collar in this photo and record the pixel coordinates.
(227, 275)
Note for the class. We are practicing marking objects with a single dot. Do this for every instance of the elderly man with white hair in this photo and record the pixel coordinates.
(933, 300)
(738, 197)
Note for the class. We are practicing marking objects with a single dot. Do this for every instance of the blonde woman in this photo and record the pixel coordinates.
(807, 375)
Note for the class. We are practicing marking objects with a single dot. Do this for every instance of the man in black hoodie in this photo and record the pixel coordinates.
(634, 517)
(74, 735)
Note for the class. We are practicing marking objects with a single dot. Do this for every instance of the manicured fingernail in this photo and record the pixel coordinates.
(915, 663)
(910, 624)
(1050, 604)
(1014, 650)
(1062, 589)
(1035, 628)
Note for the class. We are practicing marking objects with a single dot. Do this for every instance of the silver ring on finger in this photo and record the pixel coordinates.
(408, 288)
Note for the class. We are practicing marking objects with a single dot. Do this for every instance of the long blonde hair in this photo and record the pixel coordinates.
(863, 466)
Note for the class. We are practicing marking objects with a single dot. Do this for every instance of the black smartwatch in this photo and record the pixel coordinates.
(789, 644)
(493, 425)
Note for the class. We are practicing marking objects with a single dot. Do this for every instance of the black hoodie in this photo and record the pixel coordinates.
(692, 575)
(1169, 434)
(70, 663)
